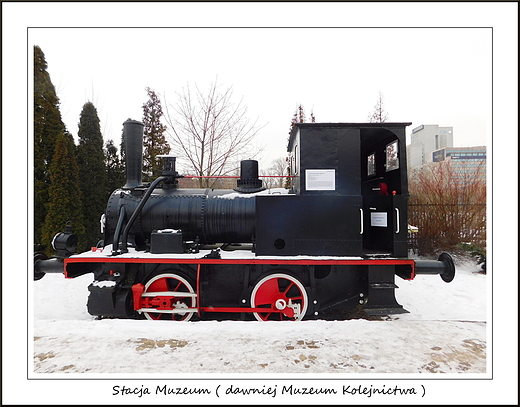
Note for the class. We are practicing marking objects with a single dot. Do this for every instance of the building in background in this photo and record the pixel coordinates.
(432, 143)
(464, 160)
(425, 140)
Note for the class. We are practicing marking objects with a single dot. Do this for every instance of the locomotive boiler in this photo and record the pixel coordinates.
(332, 242)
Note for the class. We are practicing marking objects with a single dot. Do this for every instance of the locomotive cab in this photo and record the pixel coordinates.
(350, 193)
(384, 186)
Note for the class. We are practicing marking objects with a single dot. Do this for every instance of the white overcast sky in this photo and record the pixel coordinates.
(440, 75)
(427, 76)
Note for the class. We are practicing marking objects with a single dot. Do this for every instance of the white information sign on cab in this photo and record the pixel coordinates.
(320, 180)
(378, 219)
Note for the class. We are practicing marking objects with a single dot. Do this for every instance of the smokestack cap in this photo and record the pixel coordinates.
(249, 181)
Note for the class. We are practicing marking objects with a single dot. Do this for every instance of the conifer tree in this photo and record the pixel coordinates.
(154, 140)
(92, 172)
(300, 117)
(47, 126)
(301, 114)
(122, 151)
(294, 120)
(64, 204)
(114, 166)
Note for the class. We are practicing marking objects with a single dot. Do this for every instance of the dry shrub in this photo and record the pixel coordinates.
(448, 205)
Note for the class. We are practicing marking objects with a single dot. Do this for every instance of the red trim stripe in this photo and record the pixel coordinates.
(295, 262)
(239, 261)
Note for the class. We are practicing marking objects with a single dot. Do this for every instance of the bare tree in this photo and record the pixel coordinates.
(378, 115)
(277, 172)
(209, 132)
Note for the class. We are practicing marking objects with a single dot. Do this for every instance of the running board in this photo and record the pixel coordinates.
(176, 294)
(168, 311)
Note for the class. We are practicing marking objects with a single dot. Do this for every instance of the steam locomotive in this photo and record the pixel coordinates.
(332, 242)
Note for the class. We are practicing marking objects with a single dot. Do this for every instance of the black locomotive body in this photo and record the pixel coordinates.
(332, 242)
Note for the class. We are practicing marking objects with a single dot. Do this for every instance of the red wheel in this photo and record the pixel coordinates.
(168, 297)
(283, 297)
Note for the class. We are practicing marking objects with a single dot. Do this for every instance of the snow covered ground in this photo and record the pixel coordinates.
(444, 332)
(445, 338)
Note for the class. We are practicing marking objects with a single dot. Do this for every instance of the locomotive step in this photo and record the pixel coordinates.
(383, 285)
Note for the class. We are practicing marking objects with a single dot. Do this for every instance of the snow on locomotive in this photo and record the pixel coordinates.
(333, 242)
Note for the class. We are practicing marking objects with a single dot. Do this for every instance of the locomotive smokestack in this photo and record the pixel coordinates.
(249, 181)
(133, 137)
